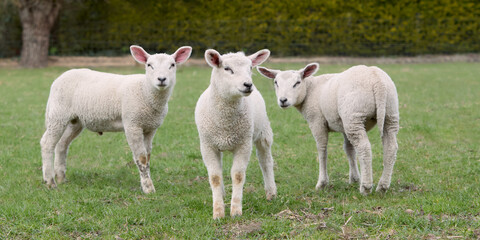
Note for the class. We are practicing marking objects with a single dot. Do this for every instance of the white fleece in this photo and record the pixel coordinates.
(231, 116)
(106, 102)
(351, 102)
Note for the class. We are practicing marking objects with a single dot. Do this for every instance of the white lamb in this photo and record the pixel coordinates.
(105, 102)
(351, 102)
(230, 115)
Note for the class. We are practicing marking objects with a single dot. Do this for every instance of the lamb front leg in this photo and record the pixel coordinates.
(135, 140)
(321, 138)
(212, 159)
(238, 172)
(148, 139)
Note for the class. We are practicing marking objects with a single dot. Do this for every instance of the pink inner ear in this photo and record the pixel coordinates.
(259, 59)
(139, 55)
(309, 71)
(214, 59)
(182, 55)
(267, 73)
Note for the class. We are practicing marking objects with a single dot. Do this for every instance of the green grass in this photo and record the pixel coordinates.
(435, 189)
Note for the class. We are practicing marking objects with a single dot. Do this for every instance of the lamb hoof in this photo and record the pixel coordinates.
(271, 196)
(236, 211)
(147, 186)
(50, 183)
(354, 179)
(218, 215)
(218, 211)
(271, 193)
(365, 189)
(61, 178)
(321, 185)
(382, 188)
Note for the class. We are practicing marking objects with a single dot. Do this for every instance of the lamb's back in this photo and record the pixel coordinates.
(93, 97)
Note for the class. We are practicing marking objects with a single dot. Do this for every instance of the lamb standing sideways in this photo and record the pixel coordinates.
(230, 114)
(105, 102)
(351, 102)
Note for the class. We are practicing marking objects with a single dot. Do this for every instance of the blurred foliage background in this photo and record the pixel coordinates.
(287, 28)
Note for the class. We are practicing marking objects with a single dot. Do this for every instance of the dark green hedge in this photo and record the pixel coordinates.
(10, 30)
(287, 28)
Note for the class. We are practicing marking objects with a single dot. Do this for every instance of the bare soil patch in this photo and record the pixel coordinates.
(240, 230)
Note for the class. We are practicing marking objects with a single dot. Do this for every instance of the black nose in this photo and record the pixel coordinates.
(248, 85)
(283, 100)
(162, 79)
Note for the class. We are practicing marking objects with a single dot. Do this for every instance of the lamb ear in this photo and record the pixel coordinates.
(269, 73)
(139, 54)
(182, 54)
(309, 70)
(213, 58)
(259, 57)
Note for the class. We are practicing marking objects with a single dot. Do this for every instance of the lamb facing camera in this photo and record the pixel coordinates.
(351, 102)
(105, 102)
(231, 116)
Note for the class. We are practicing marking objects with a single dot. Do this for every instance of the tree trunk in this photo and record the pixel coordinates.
(37, 17)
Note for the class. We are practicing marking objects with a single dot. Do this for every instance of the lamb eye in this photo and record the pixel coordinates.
(228, 69)
(171, 66)
(296, 84)
(276, 84)
(149, 65)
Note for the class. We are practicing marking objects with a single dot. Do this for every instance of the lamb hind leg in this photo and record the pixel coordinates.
(390, 147)
(48, 142)
(357, 135)
(61, 150)
(354, 176)
(265, 159)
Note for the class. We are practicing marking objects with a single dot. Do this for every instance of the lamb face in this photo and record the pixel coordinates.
(290, 86)
(232, 73)
(235, 75)
(160, 68)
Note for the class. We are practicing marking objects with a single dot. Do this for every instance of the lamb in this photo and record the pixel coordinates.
(351, 102)
(105, 102)
(229, 115)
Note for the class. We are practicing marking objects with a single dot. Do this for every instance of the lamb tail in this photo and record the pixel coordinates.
(380, 93)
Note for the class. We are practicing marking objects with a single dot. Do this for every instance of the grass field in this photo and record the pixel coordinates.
(435, 191)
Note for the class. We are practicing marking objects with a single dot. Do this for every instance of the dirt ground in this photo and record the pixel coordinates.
(127, 60)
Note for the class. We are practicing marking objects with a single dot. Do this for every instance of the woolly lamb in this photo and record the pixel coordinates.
(105, 102)
(230, 114)
(351, 102)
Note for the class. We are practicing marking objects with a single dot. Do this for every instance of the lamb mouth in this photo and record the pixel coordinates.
(162, 85)
(284, 105)
(247, 91)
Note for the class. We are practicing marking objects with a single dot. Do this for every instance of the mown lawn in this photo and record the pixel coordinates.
(435, 191)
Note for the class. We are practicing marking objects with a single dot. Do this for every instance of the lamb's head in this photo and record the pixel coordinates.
(160, 68)
(290, 86)
(232, 72)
